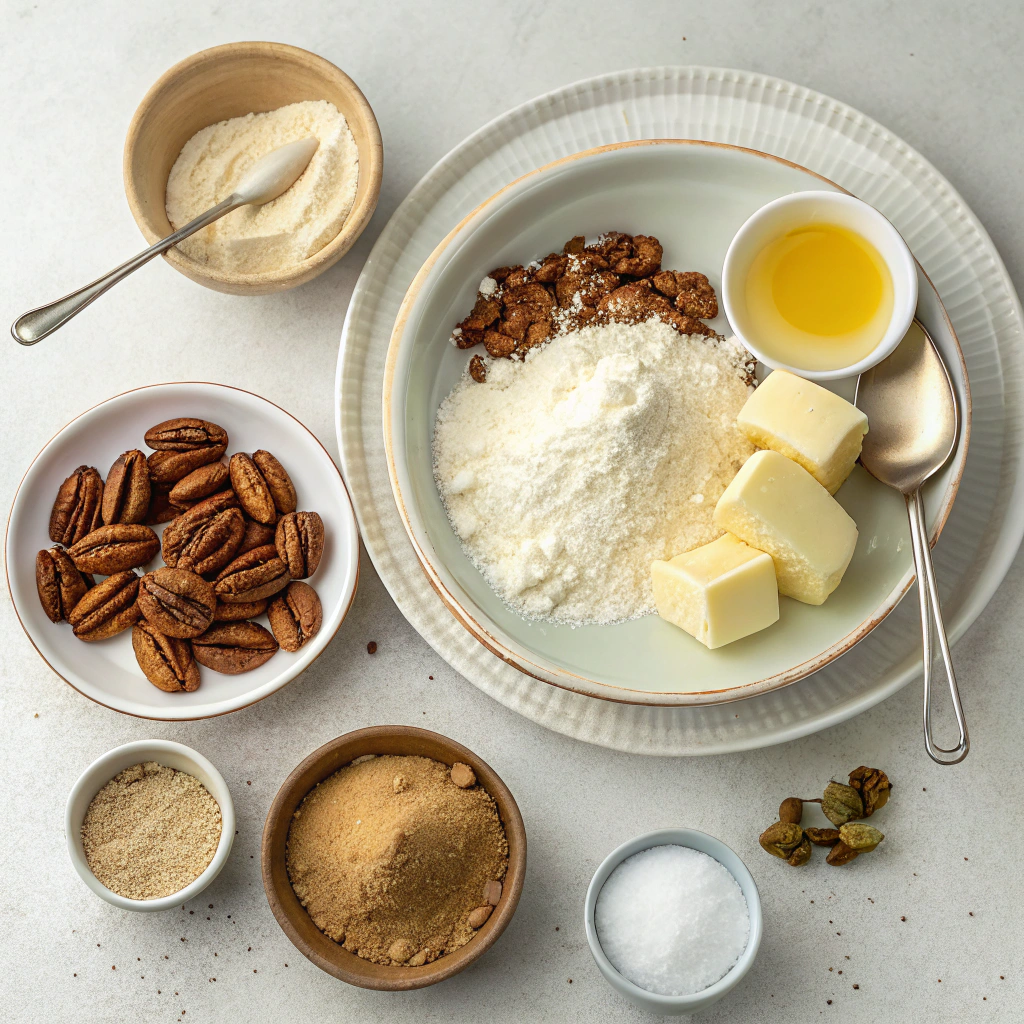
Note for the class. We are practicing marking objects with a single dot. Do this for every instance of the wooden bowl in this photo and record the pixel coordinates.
(292, 916)
(230, 81)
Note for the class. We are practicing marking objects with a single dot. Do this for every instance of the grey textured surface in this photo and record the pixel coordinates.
(943, 75)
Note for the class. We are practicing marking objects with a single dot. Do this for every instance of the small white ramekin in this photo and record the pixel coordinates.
(794, 211)
(103, 769)
(671, 1006)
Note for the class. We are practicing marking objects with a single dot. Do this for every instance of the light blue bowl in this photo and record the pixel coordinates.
(694, 840)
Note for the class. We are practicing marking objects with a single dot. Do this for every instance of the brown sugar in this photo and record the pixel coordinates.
(391, 858)
(150, 831)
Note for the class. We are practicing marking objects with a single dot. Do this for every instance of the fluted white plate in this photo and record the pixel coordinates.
(986, 525)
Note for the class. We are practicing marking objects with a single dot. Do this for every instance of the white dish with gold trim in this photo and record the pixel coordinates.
(693, 196)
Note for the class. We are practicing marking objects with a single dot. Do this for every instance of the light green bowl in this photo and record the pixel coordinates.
(693, 196)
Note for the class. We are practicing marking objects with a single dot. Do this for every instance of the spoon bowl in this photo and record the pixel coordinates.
(912, 411)
(913, 421)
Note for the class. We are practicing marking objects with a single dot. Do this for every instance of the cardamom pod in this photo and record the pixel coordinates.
(862, 838)
(801, 854)
(841, 854)
(791, 810)
(822, 836)
(781, 839)
(841, 803)
(874, 788)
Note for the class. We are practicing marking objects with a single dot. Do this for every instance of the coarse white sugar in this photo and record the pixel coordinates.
(672, 920)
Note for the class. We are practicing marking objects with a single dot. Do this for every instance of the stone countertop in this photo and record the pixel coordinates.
(925, 928)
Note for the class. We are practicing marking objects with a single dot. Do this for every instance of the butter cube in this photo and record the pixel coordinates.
(806, 423)
(777, 506)
(718, 593)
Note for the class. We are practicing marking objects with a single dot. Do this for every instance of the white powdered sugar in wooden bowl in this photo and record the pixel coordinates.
(566, 474)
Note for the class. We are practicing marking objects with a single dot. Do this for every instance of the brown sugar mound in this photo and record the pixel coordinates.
(617, 279)
(390, 858)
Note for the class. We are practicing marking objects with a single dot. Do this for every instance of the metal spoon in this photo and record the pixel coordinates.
(913, 421)
(269, 177)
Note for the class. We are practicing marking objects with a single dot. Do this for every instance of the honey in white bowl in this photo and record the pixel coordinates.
(821, 297)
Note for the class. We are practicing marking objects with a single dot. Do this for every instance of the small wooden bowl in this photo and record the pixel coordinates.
(292, 916)
(230, 81)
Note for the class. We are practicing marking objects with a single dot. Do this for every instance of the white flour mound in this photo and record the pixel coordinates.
(291, 228)
(566, 474)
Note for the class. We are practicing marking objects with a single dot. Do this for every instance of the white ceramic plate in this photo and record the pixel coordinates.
(107, 672)
(693, 196)
(830, 138)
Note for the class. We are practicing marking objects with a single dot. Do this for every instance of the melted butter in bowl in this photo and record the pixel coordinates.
(819, 283)
(824, 295)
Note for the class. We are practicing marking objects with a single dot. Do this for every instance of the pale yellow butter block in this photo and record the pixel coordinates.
(718, 593)
(777, 506)
(806, 423)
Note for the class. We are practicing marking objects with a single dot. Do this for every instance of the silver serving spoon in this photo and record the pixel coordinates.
(269, 177)
(913, 421)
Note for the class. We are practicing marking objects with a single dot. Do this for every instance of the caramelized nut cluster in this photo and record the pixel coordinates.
(617, 279)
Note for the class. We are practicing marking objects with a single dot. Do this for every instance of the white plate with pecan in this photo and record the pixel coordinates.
(242, 590)
(693, 196)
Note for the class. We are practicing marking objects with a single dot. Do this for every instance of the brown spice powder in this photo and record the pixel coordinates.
(150, 831)
(390, 858)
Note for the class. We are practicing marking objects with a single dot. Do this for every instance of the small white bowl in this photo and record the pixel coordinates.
(671, 1006)
(794, 211)
(103, 769)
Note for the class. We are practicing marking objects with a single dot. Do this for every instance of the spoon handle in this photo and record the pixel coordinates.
(39, 323)
(931, 616)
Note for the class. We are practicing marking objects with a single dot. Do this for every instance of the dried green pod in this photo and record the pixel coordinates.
(841, 854)
(822, 836)
(841, 803)
(781, 839)
(862, 838)
(801, 854)
(791, 810)
(874, 787)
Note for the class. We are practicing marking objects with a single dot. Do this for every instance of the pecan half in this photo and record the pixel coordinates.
(107, 608)
(233, 647)
(295, 615)
(199, 484)
(207, 536)
(168, 467)
(126, 493)
(256, 574)
(59, 583)
(114, 548)
(177, 602)
(300, 543)
(186, 434)
(252, 490)
(279, 483)
(166, 661)
(77, 508)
